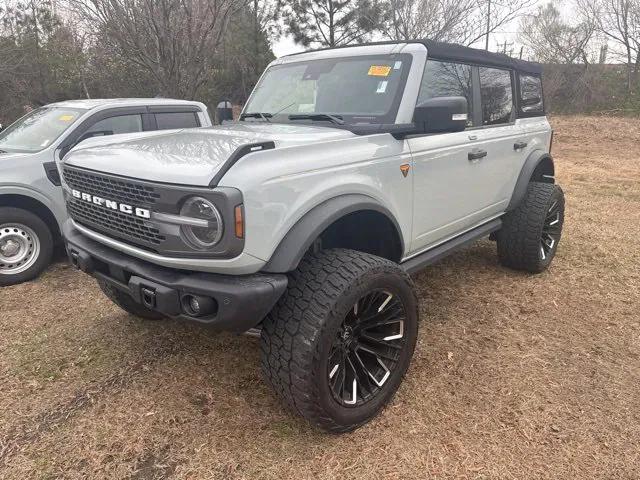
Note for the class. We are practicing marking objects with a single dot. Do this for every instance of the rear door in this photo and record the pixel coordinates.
(500, 137)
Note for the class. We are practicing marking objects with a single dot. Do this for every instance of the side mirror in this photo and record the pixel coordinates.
(1, 127)
(441, 114)
(224, 111)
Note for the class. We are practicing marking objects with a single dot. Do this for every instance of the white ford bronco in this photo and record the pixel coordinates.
(348, 170)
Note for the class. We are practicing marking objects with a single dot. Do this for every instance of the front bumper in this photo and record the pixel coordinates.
(242, 301)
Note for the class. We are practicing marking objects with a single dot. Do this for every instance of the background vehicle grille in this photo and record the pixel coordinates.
(114, 189)
(111, 221)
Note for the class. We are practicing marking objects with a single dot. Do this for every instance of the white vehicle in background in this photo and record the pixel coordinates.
(31, 202)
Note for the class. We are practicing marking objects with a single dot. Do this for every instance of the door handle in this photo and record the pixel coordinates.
(519, 145)
(477, 154)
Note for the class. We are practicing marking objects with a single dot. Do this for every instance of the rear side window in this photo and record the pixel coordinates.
(531, 94)
(496, 96)
(116, 125)
(171, 120)
(447, 79)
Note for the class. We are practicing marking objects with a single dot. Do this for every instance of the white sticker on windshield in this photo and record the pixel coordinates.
(397, 65)
(45, 143)
(382, 86)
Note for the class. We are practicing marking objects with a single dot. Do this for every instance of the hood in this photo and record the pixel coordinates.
(188, 157)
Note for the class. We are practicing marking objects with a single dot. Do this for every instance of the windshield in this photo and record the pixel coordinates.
(38, 129)
(357, 90)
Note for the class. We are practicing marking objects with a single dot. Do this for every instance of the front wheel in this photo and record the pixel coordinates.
(26, 246)
(338, 343)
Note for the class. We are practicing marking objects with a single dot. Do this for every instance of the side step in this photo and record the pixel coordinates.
(417, 263)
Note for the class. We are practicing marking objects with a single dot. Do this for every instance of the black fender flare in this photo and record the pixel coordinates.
(299, 239)
(531, 171)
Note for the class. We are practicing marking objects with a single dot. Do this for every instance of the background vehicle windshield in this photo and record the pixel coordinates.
(364, 89)
(38, 129)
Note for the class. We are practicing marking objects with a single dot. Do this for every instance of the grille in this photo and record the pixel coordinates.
(112, 221)
(114, 189)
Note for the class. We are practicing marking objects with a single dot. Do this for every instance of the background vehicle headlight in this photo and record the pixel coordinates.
(206, 230)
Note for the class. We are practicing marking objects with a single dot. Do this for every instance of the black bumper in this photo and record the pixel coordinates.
(241, 301)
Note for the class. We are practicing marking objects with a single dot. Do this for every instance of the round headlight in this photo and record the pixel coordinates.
(209, 232)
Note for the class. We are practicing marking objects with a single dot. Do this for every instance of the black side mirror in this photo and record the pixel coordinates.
(441, 114)
(224, 111)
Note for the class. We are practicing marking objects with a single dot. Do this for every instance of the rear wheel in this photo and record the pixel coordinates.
(26, 246)
(336, 346)
(530, 234)
(128, 304)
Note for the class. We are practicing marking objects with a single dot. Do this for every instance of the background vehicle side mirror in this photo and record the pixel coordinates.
(441, 114)
(1, 127)
(224, 111)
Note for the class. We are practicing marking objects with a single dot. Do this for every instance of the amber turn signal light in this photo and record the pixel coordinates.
(239, 221)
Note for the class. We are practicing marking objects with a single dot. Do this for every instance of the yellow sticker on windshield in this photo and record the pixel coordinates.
(379, 70)
(65, 118)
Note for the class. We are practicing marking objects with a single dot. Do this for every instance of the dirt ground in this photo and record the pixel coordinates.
(514, 376)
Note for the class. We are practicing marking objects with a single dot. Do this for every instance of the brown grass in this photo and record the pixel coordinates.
(514, 376)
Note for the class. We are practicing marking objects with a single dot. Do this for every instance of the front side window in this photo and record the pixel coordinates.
(446, 79)
(38, 129)
(116, 125)
(171, 120)
(496, 96)
(531, 94)
(358, 90)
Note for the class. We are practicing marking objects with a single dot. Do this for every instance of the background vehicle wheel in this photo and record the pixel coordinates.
(337, 344)
(128, 304)
(26, 246)
(530, 234)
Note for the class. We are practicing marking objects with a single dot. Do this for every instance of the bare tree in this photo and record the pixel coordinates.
(174, 40)
(553, 40)
(460, 21)
(619, 21)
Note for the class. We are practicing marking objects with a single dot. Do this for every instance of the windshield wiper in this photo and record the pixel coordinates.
(318, 116)
(264, 116)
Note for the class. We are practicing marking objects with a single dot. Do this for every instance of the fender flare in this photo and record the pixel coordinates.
(299, 239)
(527, 173)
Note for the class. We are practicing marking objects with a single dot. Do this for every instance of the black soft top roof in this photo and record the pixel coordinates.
(452, 51)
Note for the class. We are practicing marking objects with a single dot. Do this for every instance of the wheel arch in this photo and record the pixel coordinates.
(538, 167)
(329, 219)
(34, 206)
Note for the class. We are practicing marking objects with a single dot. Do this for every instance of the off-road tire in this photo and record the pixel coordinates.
(128, 304)
(298, 333)
(520, 239)
(16, 217)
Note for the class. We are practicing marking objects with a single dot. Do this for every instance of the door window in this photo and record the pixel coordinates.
(496, 96)
(531, 94)
(169, 120)
(447, 79)
(116, 125)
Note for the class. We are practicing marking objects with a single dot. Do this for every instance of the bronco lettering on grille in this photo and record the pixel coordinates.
(103, 202)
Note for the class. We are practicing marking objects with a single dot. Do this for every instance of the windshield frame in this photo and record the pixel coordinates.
(10, 149)
(388, 118)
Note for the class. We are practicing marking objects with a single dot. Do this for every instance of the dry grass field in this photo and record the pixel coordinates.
(514, 376)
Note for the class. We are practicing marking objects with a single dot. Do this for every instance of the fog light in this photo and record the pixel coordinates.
(198, 306)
